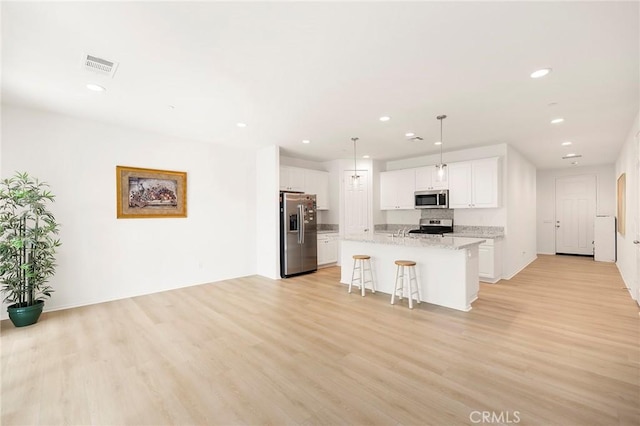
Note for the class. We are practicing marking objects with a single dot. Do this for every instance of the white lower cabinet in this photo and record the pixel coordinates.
(490, 261)
(327, 249)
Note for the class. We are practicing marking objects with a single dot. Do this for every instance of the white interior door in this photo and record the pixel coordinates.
(575, 214)
(356, 202)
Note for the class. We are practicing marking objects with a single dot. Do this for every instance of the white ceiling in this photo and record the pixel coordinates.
(327, 71)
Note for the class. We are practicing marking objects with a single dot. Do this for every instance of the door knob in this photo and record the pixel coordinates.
(636, 242)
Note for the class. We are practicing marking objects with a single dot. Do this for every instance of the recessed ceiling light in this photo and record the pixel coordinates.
(540, 73)
(437, 143)
(306, 141)
(570, 155)
(557, 120)
(241, 124)
(96, 87)
(567, 143)
(365, 156)
(552, 104)
(385, 118)
(409, 134)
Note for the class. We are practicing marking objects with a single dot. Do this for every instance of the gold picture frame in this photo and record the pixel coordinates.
(150, 193)
(621, 198)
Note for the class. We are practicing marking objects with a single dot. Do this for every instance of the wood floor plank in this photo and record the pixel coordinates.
(558, 344)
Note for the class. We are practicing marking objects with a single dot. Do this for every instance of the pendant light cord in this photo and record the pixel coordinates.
(441, 117)
(355, 168)
(441, 142)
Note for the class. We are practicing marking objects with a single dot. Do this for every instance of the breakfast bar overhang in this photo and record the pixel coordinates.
(447, 267)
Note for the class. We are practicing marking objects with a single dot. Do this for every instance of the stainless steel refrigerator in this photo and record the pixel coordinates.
(298, 234)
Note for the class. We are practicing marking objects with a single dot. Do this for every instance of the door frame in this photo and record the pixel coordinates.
(555, 206)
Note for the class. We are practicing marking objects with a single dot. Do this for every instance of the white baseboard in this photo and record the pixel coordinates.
(519, 270)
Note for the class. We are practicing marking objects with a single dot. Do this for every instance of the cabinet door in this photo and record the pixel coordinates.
(322, 249)
(331, 250)
(424, 178)
(317, 182)
(387, 191)
(436, 181)
(485, 261)
(460, 185)
(284, 178)
(406, 186)
(327, 249)
(485, 183)
(396, 189)
(427, 178)
(291, 179)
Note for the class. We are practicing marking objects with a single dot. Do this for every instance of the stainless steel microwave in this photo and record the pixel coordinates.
(432, 199)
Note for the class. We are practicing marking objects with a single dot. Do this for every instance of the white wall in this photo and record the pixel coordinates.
(332, 216)
(627, 162)
(519, 247)
(104, 258)
(267, 212)
(546, 196)
(304, 164)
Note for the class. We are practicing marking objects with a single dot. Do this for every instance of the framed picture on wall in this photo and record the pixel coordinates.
(150, 193)
(621, 196)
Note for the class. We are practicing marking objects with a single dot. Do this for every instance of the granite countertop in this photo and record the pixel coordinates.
(437, 241)
(472, 234)
(327, 232)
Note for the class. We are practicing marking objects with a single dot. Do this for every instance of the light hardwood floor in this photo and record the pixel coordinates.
(558, 344)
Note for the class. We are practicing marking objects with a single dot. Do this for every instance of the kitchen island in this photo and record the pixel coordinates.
(447, 267)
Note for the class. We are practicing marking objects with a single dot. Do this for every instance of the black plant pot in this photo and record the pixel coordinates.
(25, 315)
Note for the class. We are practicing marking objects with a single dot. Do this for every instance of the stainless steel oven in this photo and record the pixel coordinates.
(432, 199)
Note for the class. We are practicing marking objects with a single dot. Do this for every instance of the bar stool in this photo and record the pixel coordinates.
(403, 270)
(362, 263)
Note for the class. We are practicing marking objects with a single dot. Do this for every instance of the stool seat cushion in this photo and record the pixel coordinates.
(361, 256)
(405, 263)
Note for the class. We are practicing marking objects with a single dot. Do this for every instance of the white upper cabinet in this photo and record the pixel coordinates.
(317, 182)
(474, 184)
(427, 179)
(291, 179)
(396, 189)
(308, 181)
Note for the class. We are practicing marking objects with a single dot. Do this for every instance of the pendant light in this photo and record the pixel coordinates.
(441, 167)
(355, 176)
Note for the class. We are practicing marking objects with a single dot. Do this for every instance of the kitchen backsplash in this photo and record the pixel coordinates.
(479, 231)
(461, 230)
(394, 227)
(327, 227)
(436, 214)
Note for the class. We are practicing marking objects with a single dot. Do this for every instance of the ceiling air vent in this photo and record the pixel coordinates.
(99, 65)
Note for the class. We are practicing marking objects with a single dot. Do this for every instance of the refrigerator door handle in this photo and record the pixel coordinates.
(301, 222)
